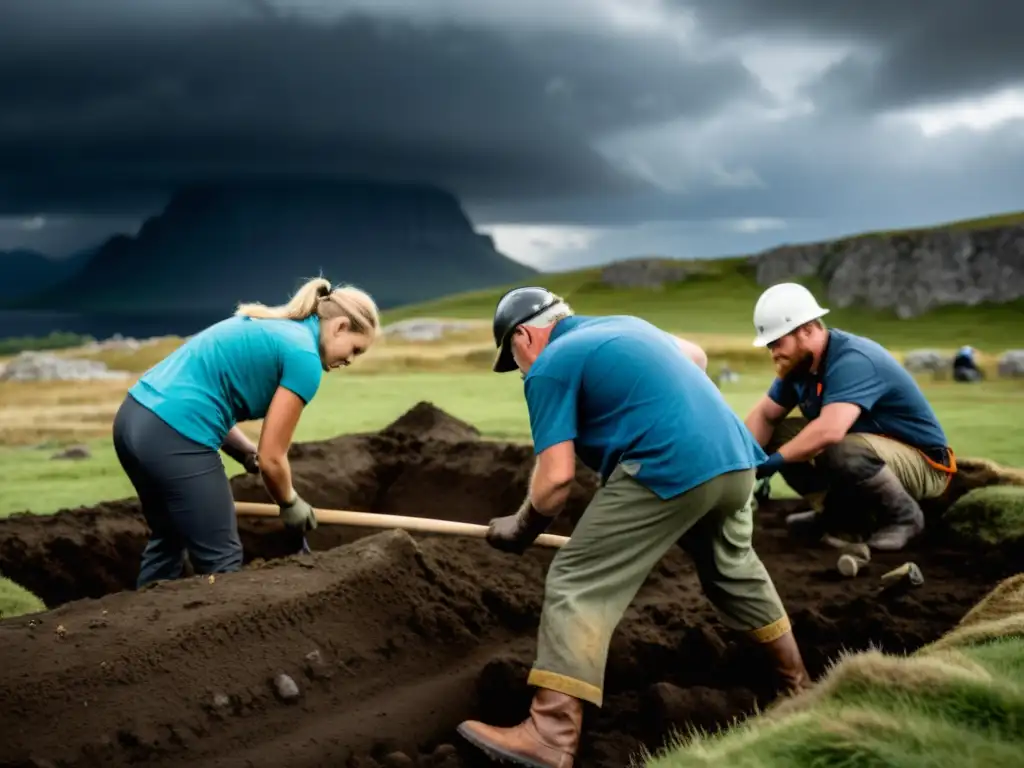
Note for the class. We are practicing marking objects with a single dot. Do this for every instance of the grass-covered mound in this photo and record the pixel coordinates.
(16, 600)
(992, 515)
(957, 702)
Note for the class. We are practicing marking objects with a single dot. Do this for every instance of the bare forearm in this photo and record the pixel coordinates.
(548, 494)
(277, 478)
(812, 440)
(760, 427)
(548, 498)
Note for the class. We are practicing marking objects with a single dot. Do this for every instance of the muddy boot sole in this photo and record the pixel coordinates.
(495, 754)
(893, 538)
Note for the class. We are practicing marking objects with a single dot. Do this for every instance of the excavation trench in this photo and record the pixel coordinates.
(393, 639)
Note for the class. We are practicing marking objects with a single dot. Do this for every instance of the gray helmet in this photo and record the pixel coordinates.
(516, 307)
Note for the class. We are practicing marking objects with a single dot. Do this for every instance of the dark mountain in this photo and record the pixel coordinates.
(25, 273)
(218, 244)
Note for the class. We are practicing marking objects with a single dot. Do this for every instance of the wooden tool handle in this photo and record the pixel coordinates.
(375, 520)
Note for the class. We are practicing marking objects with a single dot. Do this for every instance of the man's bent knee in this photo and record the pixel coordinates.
(851, 459)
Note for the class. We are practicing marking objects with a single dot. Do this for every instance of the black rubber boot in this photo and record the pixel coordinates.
(901, 516)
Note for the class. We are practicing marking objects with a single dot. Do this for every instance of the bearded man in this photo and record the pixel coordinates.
(867, 437)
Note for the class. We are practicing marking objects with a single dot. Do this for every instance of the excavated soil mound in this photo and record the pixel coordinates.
(389, 641)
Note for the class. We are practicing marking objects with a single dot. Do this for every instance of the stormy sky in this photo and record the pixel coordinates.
(575, 131)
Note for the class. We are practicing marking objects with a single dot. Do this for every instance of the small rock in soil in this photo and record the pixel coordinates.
(398, 760)
(445, 756)
(316, 667)
(286, 688)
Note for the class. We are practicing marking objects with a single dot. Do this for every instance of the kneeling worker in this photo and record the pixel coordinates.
(867, 433)
(677, 466)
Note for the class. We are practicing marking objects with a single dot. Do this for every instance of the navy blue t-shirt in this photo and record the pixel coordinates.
(624, 392)
(862, 372)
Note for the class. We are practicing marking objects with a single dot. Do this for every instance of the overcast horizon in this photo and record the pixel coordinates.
(597, 130)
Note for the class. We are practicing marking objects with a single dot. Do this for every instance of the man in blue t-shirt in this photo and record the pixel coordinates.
(867, 436)
(635, 405)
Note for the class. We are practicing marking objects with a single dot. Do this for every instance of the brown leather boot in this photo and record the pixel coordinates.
(548, 738)
(789, 664)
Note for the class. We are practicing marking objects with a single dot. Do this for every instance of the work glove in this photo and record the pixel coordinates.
(769, 467)
(251, 462)
(298, 514)
(514, 533)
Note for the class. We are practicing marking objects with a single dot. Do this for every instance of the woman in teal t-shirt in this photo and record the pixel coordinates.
(262, 363)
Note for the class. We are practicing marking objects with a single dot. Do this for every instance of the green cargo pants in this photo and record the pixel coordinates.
(621, 536)
(920, 479)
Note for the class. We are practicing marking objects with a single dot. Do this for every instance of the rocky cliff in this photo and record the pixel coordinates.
(216, 245)
(908, 273)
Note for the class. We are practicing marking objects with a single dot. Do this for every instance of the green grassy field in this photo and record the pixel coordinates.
(976, 417)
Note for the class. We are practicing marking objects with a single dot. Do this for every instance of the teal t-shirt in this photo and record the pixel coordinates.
(229, 372)
(623, 392)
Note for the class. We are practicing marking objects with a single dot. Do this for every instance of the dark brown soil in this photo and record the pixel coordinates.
(394, 638)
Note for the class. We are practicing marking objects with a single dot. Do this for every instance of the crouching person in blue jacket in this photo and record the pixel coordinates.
(262, 363)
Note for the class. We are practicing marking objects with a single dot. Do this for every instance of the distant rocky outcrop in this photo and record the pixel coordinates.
(46, 366)
(429, 329)
(927, 361)
(909, 273)
(1011, 364)
(651, 273)
(217, 244)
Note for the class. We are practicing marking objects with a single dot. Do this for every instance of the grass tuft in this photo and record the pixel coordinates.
(15, 600)
(958, 701)
(988, 516)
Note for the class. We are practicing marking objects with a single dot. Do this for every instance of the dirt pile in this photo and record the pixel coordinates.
(391, 640)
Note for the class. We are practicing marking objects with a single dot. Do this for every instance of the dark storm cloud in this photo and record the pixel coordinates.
(113, 110)
(912, 51)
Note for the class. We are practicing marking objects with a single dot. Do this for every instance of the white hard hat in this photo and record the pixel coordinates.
(781, 309)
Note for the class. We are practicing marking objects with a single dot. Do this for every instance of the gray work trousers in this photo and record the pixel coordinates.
(185, 496)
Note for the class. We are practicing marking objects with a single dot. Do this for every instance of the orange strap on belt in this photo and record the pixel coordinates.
(951, 469)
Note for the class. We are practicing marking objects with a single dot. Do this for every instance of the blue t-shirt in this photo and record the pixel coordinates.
(862, 372)
(229, 372)
(623, 392)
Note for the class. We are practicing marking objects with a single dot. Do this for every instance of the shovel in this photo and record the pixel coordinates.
(376, 520)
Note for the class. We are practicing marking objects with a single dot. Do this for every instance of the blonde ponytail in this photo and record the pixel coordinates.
(355, 304)
(301, 305)
(315, 297)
